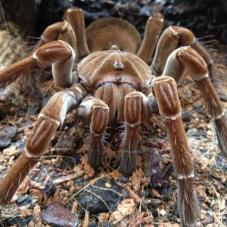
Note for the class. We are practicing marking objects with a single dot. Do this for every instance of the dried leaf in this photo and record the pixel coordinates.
(25, 212)
(37, 195)
(136, 179)
(125, 208)
(133, 194)
(86, 219)
(89, 171)
(23, 188)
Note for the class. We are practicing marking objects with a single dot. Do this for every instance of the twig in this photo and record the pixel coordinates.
(68, 177)
(134, 196)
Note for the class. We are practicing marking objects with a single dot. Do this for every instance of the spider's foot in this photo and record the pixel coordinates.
(187, 202)
(220, 126)
(128, 163)
(95, 152)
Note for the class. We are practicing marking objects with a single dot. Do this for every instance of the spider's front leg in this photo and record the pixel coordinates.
(72, 30)
(49, 51)
(186, 58)
(49, 119)
(97, 112)
(136, 109)
(173, 37)
(59, 54)
(58, 31)
(165, 90)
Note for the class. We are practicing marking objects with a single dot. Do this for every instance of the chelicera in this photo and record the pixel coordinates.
(110, 75)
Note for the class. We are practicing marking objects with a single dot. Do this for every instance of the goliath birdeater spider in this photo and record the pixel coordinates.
(110, 75)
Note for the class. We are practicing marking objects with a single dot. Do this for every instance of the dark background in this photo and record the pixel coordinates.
(204, 17)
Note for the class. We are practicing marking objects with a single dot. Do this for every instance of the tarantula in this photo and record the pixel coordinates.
(110, 75)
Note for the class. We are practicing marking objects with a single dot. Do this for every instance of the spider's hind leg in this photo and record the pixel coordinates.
(151, 34)
(98, 113)
(75, 17)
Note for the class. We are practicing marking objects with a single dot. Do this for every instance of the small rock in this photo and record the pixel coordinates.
(98, 198)
(186, 116)
(123, 179)
(162, 212)
(57, 215)
(24, 200)
(49, 188)
(198, 134)
(108, 185)
(223, 96)
(6, 135)
(17, 221)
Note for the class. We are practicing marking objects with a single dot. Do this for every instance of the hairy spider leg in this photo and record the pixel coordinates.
(75, 17)
(171, 38)
(49, 119)
(165, 90)
(186, 58)
(59, 31)
(152, 32)
(59, 54)
(97, 112)
(137, 109)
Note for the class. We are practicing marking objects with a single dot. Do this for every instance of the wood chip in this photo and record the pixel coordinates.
(68, 177)
(132, 194)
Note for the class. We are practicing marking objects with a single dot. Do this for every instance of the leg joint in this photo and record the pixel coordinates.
(99, 119)
(133, 108)
(40, 138)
